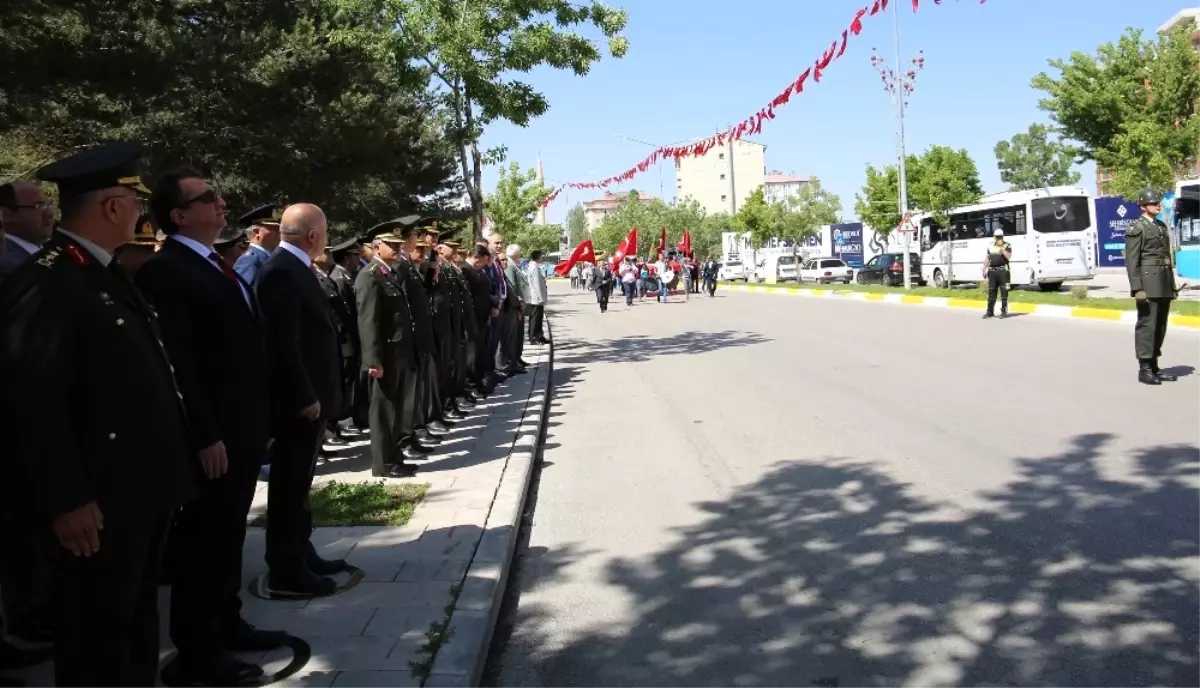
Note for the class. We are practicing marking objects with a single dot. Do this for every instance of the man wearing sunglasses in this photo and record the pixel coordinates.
(28, 220)
(101, 438)
(262, 228)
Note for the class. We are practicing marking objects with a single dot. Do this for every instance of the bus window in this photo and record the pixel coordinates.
(1019, 221)
(1055, 215)
(1187, 215)
(1005, 220)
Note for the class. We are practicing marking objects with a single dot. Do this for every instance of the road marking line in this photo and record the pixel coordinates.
(871, 296)
(1095, 313)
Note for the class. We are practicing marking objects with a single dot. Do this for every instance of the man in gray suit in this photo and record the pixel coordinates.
(28, 220)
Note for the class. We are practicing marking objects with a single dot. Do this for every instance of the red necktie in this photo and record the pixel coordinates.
(216, 258)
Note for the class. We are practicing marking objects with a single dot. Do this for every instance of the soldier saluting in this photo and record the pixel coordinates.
(996, 271)
(101, 435)
(1151, 269)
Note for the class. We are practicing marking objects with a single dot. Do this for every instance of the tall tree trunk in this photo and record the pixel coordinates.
(477, 184)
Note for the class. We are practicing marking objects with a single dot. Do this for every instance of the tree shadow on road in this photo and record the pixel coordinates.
(828, 572)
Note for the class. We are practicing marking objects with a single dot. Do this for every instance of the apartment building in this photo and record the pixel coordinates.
(596, 210)
(722, 179)
(778, 187)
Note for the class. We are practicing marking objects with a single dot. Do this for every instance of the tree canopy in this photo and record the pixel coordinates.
(577, 229)
(1131, 107)
(1032, 160)
(939, 180)
(652, 216)
(474, 47)
(277, 101)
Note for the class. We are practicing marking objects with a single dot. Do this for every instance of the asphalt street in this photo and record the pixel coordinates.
(759, 490)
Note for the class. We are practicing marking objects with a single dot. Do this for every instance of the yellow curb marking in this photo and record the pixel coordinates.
(871, 296)
(909, 298)
(1190, 321)
(1023, 307)
(1095, 313)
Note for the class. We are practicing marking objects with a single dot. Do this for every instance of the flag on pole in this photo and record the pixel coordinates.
(583, 252)
(627, 247)
(685, 243)
(662, 242)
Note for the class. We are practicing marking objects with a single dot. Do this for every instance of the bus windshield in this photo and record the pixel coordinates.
(1187, 215)
(1063, 214)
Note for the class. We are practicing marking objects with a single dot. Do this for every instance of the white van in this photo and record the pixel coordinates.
(781, 265)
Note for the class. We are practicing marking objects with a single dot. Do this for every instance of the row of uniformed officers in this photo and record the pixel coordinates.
(143, 389)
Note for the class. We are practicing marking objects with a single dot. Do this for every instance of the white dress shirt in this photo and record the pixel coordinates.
(30, 248)
(298, 252)
(206, 252)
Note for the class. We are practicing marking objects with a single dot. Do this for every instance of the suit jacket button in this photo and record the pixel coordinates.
(112, 435)
(120, 321)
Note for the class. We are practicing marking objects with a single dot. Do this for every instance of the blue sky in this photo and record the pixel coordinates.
(698, 65)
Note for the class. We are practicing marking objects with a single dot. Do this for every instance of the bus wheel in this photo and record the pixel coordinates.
(939, 280)
(1049, 286)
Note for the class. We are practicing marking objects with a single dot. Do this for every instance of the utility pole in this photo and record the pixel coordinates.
(900, 95)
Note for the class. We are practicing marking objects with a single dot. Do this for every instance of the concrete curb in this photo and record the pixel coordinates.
(461, 658)
(1190, 322)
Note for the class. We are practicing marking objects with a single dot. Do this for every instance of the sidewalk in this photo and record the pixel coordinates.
(447, 565)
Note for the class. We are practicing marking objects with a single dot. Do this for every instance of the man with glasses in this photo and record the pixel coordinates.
(102, 444)
(28, 220)
(208, 314)
(262, 227)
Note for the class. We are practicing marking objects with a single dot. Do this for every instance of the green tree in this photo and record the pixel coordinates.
(542, 238)
(878, 204)
(757, 218)
(1132, 107)
(706, 238)
(576, 225)
(276, 101)
(1032, 160)
(942, 179)
(473, 47)
(515, 200)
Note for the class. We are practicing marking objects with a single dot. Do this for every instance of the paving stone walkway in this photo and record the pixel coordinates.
(376, 633)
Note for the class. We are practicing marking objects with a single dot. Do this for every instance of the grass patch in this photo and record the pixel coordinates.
(361, 504)
(1072, 298)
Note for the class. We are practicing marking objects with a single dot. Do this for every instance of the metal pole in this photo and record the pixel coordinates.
(898, 91)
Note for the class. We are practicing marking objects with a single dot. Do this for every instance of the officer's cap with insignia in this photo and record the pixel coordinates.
(229, 236)
(410, 226)
(446, 238)
(429, 224)
(265, 215)
(107, 166)
(1149, 197)
(339, 251)
(386, 231)
(144, 233)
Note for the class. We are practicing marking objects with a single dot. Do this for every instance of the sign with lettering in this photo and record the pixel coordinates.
(1113, 216)
(848, 243)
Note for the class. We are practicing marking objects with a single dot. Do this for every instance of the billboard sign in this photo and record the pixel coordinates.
(1113, 216)
(847, 241)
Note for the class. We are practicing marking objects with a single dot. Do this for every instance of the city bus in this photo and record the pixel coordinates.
(1186, 226)
(1052, 232)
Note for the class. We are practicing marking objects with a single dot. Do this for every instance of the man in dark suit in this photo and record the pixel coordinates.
(101, 443)
(28, 220)
(483, 294)
(209, 317)
(305, 371)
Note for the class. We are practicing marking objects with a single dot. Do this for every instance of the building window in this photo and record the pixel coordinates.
(722, 197)
(722, 176)
(720, 156)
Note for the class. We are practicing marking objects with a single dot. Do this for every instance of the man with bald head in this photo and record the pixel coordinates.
(305, 371)
(28, 221)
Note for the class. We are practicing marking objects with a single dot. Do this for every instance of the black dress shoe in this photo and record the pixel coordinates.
(303, 582)
(246, 638)
(439, 426)
(413, 453)
(426, 437)
(418, 447)
(13, 657)
(523, 363)
(400, 470)
(1158, 373)
(324, 567)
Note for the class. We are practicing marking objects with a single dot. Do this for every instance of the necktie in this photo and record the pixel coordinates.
(225, 268)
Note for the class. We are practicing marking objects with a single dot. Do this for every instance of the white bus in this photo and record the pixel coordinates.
(1052, 232)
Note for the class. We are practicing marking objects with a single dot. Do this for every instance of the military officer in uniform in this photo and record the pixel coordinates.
(231, 244)
(1150, 264)
(438, 279)
(262, 227)
(388, 355)
(132, 255)
(995, 270)
(419, 398)
(461, 323)
(346, 323)
(101, 439)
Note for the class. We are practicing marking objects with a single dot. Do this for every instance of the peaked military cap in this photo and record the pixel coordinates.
(230, 235)
(387, 229)
(344, 247)
(107, 166)
(144, 233)
(447, 238)
(262, 215)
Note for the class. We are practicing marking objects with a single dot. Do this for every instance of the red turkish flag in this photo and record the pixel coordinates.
(662, 242)
(685, 243)
(583, 251)
(627, 247)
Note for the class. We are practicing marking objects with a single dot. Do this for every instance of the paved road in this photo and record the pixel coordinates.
(1114, 284)
(764, 490)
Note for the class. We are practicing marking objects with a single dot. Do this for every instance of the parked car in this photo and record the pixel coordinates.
(783, 267)
(733, 270)
(887, 269)
(826, 271)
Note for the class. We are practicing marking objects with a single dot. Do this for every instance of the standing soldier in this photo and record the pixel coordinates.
(418, 398)
(134, 254)
(102, 444)
(385, 331)
(441, 299)
(347, 332)
(345, 264)
(461, 322)
(262, 227)
(1150, 265)
(995, 270)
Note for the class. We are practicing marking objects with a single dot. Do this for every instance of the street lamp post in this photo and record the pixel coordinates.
(899, 84)
(661, 189)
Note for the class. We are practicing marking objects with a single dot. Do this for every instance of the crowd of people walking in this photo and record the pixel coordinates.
(636, 278)
(149, 375)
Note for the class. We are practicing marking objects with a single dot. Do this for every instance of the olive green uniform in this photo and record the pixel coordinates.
(386, 335)
(1150, 266)
(998, 276)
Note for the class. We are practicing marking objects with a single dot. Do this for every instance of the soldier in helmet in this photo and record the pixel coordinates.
(995, 271)
(1150, 265)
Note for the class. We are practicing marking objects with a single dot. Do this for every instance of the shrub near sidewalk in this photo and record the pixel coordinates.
(361, 504)
(1074, 298)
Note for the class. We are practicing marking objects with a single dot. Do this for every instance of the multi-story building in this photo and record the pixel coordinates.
(778, 187)
(596, 210)
(1186, 17)
(722, 179)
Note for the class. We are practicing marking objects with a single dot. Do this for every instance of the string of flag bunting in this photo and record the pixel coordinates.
(753, 124)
